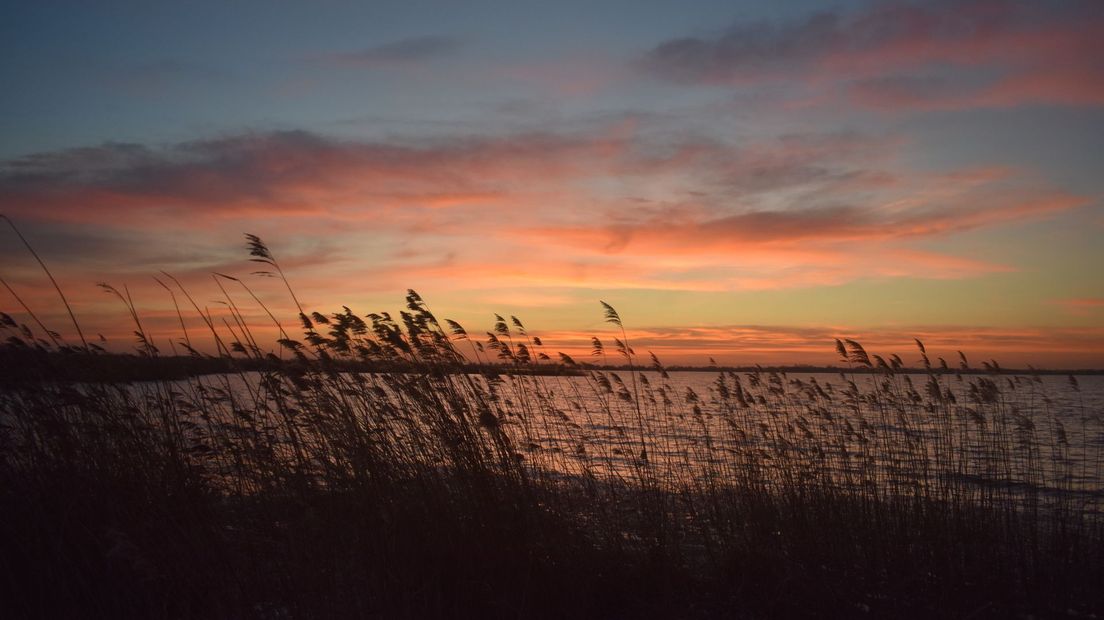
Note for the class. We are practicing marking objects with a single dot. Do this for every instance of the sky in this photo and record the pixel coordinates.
(745, 181)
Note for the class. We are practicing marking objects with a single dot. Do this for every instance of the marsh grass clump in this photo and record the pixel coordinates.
(397, 466)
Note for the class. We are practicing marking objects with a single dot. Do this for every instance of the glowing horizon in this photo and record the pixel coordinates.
(744, 182)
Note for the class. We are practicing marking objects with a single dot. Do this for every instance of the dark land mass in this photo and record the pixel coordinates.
(865, 370)
(21, 363)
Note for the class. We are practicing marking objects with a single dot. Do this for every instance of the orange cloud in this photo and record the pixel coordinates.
(752, 344)
(828, 244)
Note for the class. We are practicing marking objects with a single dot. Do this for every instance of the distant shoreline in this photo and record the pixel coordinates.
(874, 371)
(18, 363)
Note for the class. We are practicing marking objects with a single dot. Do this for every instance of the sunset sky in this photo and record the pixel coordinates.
(741, 180)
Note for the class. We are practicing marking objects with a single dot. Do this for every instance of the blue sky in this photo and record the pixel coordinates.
(719, 167)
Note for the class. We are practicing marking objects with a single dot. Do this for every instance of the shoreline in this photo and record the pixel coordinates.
(23, 363)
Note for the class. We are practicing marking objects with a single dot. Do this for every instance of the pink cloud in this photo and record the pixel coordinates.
(903, 55)
(288, 174)
(1081, 306)
(917, 216)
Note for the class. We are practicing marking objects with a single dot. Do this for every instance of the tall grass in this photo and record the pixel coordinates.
(466, 481)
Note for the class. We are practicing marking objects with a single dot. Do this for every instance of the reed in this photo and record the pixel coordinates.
(469, 479)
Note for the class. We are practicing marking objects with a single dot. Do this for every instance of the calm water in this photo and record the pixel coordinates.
(1033, 434)
(1045, 421)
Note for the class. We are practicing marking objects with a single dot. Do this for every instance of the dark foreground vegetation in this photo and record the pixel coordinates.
(300, 489)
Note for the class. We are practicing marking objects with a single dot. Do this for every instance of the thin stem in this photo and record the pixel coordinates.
(57, 288)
